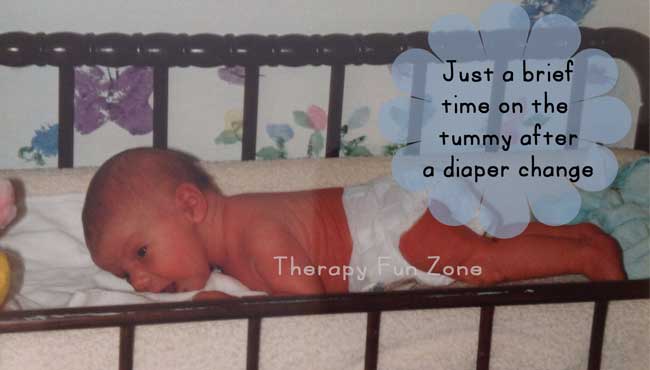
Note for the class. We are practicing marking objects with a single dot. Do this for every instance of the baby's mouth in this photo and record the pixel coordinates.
(171, 288)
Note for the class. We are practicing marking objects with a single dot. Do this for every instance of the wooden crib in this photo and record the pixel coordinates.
(163, 51)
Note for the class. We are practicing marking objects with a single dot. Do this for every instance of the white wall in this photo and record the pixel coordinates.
(265, 16)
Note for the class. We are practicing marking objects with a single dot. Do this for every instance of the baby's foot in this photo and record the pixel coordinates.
(604, 261)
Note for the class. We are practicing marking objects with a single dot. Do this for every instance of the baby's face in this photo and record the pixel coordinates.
(155, 252)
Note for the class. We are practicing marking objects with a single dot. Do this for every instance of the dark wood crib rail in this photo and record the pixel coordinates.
(254, 309)
(162, 51)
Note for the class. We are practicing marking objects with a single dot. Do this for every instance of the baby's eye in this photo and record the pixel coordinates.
(142, 251)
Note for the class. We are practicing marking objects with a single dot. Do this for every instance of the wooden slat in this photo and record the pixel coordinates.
(126, 347)
(497, 94)
(160, 106)
(93, 317)
(251, 96)
(484, 338)
(642, 140)
(416, 109)
(66, 116)
(253, 346)
(597, 335)
(335, 111)
(372, 340)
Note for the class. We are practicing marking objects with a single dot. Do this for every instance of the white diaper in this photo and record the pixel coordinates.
(378, 214)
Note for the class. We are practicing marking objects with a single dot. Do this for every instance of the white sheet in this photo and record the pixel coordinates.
(57, 268)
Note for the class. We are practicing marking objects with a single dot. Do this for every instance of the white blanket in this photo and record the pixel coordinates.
(47, 244)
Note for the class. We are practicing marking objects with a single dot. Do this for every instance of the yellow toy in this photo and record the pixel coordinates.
(7, 214)
(4, 277)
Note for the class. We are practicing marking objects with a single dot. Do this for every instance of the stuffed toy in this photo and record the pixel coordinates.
(7, 214)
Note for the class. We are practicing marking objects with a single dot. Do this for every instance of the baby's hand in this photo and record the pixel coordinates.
(210, 295)
(7, 203)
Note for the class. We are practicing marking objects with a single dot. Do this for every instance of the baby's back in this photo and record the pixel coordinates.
(315, 219)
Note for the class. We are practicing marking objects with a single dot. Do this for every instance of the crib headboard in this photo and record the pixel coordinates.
(162, 51)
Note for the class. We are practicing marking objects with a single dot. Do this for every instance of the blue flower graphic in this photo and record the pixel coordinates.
(449, 149)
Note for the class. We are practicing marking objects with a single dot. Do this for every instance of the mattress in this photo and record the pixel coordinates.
(553, 336)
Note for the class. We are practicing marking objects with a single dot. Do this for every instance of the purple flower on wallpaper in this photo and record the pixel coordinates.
(234, 75)
(122, 98)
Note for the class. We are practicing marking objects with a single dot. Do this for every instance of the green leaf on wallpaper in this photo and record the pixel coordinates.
(22, 152)
(38, 158)
(360, 151)
(357, 140)
(359, 117)
(269, 152)
(536, 118)
(391, 149)
(316, 144)
(302, 119)
(227, 137)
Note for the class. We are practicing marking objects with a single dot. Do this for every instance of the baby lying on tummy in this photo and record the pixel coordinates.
(155, 218)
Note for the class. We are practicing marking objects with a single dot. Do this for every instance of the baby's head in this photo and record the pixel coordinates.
(144, 217)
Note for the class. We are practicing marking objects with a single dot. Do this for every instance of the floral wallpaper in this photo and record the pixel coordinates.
(121, 98)
(314, 119)
(102, 95)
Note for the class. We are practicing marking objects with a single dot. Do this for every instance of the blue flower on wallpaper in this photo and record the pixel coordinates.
(574, 9)
(121, 97)
(280, 133)
(44, 144)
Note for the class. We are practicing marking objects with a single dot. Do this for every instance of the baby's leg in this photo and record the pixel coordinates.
(540, 251)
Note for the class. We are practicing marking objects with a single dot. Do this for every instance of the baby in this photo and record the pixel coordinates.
(155, 218)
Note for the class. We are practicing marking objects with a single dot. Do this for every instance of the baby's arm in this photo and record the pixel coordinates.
(211, 295)
(273, 250)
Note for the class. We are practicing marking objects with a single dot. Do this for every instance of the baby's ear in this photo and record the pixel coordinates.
(191, 201)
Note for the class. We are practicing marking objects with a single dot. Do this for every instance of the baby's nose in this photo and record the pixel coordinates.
(140, 281)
